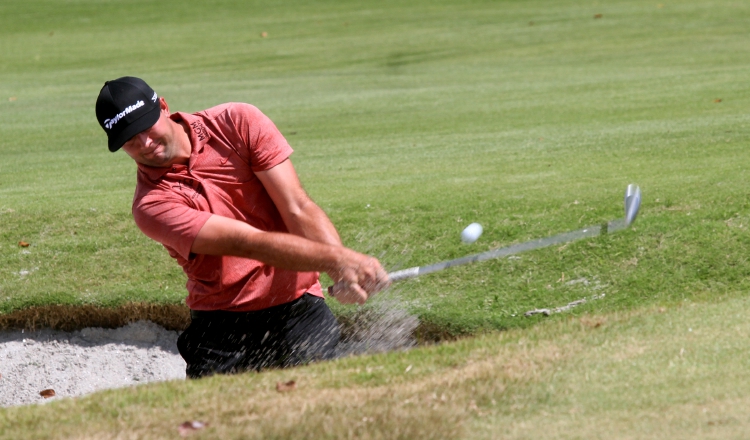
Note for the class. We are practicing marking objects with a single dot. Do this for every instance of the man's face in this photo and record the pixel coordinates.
(158, 146)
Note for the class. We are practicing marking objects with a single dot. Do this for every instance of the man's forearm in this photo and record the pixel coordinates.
(223, 236)
(287, 251)
(301, 215)
(312, 223)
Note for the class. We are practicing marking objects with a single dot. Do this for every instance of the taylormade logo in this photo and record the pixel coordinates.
(109, 123)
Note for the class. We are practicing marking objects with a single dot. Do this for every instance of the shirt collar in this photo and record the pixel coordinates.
(198, 132)
(152, 173)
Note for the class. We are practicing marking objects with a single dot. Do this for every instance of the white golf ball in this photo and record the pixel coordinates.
(471, 233)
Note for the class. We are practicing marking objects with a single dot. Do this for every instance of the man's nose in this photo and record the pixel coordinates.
(142, 138)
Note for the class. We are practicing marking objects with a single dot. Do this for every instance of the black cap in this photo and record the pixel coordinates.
(125, 107)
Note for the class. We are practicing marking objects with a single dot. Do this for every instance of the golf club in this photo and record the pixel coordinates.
(632, 205)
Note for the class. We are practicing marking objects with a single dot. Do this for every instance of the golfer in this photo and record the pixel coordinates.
(217, 189)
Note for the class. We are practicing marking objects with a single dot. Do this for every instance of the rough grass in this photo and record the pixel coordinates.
(675, 372)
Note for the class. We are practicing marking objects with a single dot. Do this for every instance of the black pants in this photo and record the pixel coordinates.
(295, 333)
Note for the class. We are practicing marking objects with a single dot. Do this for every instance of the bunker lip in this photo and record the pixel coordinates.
(174, 317)
(77, 317)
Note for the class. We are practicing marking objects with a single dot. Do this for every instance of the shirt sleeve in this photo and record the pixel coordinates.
(266, 146)
(170, 222)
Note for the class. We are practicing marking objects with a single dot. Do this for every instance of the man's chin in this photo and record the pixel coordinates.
(155, 163)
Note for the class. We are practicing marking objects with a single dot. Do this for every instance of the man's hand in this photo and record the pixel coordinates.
(359, 277)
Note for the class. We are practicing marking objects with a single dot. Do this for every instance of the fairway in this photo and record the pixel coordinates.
(409, 122)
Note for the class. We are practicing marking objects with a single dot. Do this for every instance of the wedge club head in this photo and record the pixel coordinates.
(632, 203)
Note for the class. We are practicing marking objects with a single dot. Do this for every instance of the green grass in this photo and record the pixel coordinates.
(409, 122)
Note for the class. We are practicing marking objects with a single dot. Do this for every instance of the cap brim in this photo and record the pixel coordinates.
(143, 123)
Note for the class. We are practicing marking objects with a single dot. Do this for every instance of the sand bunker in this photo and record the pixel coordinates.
(81, 362)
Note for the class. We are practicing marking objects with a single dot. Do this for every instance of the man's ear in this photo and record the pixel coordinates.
(163, 105)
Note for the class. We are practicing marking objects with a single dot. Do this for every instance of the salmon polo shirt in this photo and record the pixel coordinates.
(231, 142)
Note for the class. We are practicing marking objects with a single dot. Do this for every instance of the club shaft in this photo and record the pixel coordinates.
(566, 237)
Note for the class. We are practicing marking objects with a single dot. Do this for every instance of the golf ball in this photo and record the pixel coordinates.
(471, 233)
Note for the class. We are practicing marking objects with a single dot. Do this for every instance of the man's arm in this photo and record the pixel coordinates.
(361, 274)
(304, 217)
(301, 215)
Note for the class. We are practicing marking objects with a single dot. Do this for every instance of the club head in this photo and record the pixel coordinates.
(632, 203)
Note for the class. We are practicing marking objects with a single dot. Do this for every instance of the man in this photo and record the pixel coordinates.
(218, 190)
